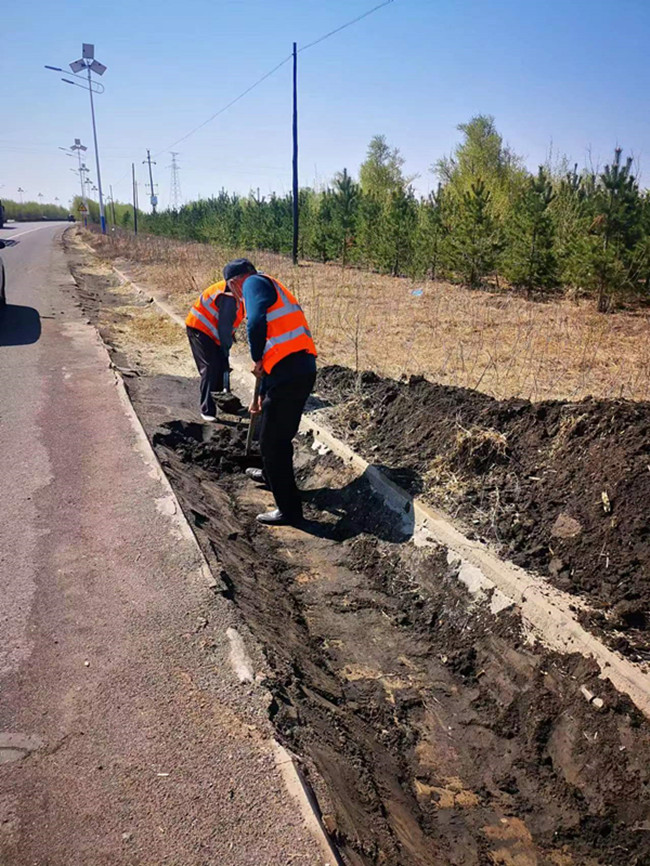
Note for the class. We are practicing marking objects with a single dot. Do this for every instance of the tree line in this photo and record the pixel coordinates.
(32, 210)
(489, 221)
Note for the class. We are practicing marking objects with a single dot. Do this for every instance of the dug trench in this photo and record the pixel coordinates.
(559, 488)
(430, 730)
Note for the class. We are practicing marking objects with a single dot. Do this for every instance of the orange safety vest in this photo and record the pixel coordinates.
(287, 330)
(204, 315)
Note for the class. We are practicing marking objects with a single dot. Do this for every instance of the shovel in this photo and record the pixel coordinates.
(253, 422)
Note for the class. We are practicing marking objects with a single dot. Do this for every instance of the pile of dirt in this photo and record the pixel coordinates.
(561, 488)
(219, 449)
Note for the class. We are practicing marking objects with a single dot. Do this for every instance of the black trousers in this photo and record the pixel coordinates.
(211, 363)
(281, 411)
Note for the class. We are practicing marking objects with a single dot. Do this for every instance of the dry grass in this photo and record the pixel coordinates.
(155, 329)
(500, 344)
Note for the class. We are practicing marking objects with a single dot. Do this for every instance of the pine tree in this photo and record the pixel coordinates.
(529, 260)
(369, 231)
(397, 233)
(603, 255)
(324, 236)
(475, 242)
(345, 206)
(641, 259)
(431, 235)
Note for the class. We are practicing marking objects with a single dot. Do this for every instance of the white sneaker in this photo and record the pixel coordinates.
(208, 417)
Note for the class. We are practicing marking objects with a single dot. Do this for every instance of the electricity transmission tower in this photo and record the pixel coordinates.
(175, 196)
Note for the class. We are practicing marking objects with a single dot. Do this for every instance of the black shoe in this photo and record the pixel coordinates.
(277, 518)
(256, 474)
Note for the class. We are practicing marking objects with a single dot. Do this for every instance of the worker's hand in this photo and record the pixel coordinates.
(258, 369)
(256, 405)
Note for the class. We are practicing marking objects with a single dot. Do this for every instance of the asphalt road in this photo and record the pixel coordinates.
(124, 735)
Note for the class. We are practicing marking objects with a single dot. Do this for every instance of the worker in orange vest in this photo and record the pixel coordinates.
(284, 357)
(211, 324)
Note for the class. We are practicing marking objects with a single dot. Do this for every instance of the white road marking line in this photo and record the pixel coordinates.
(28, 232)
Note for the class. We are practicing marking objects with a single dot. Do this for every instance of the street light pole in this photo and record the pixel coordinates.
(102, 218)
(89, 63)
(79, 147)
(112, 204)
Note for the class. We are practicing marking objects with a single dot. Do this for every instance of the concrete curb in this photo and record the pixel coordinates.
(546, 611)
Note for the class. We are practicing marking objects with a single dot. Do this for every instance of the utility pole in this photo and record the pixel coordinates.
(110, 187)
(175, 193)
(295, 156)
(135, 200)
(154, 197)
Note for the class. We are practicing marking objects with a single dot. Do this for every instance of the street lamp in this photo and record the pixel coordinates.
(20, 193)
(89, 63)
(79, 148)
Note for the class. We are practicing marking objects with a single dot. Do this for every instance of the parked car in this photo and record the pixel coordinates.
(3, 295)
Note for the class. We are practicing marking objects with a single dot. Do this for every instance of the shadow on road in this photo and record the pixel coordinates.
(19, 326)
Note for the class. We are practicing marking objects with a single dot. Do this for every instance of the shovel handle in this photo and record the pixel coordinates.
(251, 425)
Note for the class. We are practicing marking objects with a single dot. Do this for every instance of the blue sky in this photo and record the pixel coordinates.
(574, 73)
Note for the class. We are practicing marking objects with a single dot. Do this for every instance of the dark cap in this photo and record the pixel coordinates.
(237, 268)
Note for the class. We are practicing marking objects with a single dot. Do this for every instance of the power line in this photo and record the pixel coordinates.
(344, 26)
(231, 103)
(275, 69)
(268, 75)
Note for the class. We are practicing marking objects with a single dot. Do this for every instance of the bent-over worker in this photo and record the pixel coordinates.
(284, 353)
(211, 323)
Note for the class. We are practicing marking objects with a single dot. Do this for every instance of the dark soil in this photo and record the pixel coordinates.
(561, 488)
(431, 732)
(217, 448)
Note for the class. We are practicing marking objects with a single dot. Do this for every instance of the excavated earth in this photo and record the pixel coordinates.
(430, 730)
(560, 488)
